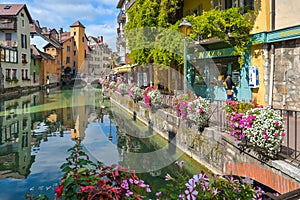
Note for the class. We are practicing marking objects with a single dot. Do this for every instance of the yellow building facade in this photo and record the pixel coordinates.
(78, 33)
(259, 15)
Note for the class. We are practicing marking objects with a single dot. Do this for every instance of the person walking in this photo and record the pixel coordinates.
(229, 86)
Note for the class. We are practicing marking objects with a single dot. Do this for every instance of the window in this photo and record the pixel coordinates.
(23, 23)
(68, 59)
(23, 74)
(68, 48)
(7, 55)
(24, 58)
(34, 77)
(74, 52)
(82, 39)
(216, 4)
(74, 63)
(7, 73)
(247, 5)
(74, 33)
(2, 55)
(8, 36)
(74, 43)
(34, 62)
(24, 41)
(7, 7)
(14, 74)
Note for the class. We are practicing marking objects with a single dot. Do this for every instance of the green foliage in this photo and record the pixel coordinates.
(228, 25)
(203, 186)
(84, 179)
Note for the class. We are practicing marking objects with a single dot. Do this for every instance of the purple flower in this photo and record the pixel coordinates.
(191, 183)
(168, 177)
(128, 193)
(180, 163)
(158, 193)
(125, 185)
(148, 189)
(191, 194)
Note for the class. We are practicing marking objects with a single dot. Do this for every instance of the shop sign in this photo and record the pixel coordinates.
(285, 34)
(212, 54)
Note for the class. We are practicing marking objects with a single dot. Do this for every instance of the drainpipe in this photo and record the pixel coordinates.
(272, 54)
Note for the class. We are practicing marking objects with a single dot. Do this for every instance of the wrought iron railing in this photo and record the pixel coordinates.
(291, 145)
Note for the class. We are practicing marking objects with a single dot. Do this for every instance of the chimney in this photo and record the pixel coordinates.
(61, 30)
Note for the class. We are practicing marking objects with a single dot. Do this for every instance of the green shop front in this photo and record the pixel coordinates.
(207, 70)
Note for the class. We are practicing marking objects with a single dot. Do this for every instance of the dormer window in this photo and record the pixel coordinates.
(7, 7)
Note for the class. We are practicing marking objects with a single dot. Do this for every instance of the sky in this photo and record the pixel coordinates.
(98, 16)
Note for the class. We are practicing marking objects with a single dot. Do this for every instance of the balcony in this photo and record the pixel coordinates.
(8, 24)
(121, 17)
(129, 4)
(8, 43)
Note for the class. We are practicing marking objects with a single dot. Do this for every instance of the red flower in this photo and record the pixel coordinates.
(58, 190)
(86, 188)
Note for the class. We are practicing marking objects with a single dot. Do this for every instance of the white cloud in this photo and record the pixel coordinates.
(98, 16)
(108, 2)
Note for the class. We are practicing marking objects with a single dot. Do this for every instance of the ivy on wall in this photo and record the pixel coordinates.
(148, 45)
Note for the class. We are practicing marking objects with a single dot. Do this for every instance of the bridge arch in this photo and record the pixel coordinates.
(268, 177)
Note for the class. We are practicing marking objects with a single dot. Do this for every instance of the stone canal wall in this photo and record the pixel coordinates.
(213, 148)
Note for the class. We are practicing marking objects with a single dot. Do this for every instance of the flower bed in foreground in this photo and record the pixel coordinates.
(84, 179)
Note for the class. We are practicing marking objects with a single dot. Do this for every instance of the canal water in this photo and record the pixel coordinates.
(37, 130)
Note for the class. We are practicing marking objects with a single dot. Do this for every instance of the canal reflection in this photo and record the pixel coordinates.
(37, 130)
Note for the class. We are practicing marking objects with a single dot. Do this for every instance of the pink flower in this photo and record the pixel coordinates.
(158, 193)
(179, 163)
(266, 137)
(168, 177)
(282, 134)
(276, 134)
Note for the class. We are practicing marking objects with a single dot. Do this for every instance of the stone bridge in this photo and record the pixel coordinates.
(87, 80)
(215, 149)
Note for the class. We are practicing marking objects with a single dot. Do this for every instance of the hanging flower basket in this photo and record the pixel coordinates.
(198, 111)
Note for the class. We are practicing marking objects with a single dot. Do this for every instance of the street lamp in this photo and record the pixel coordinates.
(1, 77)
(185, 28)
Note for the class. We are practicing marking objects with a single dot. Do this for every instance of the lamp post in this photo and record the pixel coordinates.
(185, 28)
(1, 77)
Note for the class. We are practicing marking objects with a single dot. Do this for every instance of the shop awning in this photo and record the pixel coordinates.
(124, 68)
